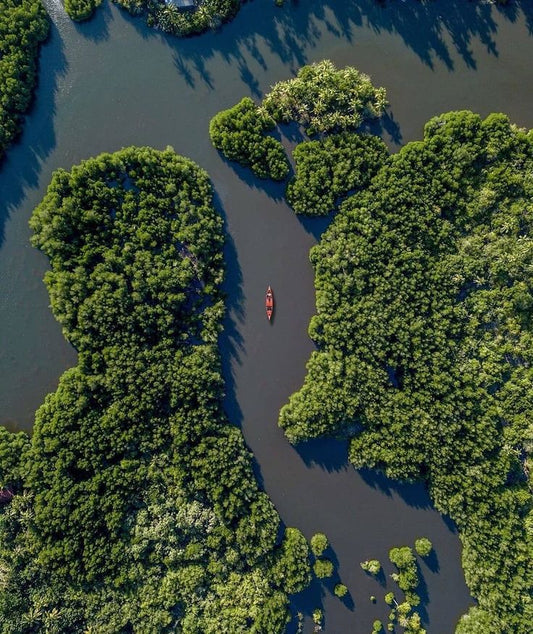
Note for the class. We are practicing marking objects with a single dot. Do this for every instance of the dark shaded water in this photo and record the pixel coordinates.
(112, 83)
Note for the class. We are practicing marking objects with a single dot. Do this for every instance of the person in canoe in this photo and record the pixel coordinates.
(269, 303)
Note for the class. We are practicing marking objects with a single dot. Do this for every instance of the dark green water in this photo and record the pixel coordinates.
(112, 83)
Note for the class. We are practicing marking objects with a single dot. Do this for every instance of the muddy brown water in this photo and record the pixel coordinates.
(112, 82)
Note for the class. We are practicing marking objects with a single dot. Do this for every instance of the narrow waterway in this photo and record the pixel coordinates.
(113, 82)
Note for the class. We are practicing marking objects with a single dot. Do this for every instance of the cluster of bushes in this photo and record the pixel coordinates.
(23, 26)
(407, 576)
(423, 546)
(325, 99)
(408, 580)
(80, 10)
(372, 566)
(424, 327)
(206, 14)
(322, 567)
(239, 133)
(136, 508)
(329, 169)
(326, 169)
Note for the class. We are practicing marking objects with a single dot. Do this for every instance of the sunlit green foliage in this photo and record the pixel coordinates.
(80, 10)
(372, 566)
(423, 546)
(424, 329)
(318, 616)
(328, 169)
(138, 510)
(325, 99)
(340, 590)
(325, 170)
(404, 560)
(23, 26)
(319, 543)
(239, 133)
(323, 568)
(207, 14)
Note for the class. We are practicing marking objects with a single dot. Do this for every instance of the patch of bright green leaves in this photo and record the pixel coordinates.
(325, 99)
(423, 546)
(79, 10)
(323, 568)
(371, 566)
(319, 543)
(340, 590)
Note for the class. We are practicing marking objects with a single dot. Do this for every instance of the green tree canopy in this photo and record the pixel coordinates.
(424, 328)
(137, 508)
(329, 169)
(239, 133)
(23, 26)
(325, 99)
(423, 546)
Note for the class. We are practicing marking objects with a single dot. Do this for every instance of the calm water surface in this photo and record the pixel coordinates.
(112, 83)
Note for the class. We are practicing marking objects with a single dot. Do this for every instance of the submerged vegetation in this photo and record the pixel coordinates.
(23, 26)
(424, 329)
(136, 508)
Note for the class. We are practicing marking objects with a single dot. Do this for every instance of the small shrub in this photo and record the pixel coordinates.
(371, 566)
(319, 543)
(423, 546)
(323, 568)
(340, 590)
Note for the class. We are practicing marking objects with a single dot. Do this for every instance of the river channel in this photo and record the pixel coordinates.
(113, 82)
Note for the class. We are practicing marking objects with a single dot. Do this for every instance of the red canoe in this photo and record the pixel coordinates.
(269, 303)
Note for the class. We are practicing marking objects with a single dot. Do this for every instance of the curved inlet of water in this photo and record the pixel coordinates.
(112, 82)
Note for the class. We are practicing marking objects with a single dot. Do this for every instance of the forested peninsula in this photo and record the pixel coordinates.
(134, 505)
(23, 26)
(424, 329)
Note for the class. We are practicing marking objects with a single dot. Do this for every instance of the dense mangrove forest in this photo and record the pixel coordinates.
(424, 330)
(424, 321)
(23, 26)
(133, 503)
(135, 507)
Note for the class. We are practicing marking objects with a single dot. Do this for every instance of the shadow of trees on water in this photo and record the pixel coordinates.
(21, 166)
(435, 31)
